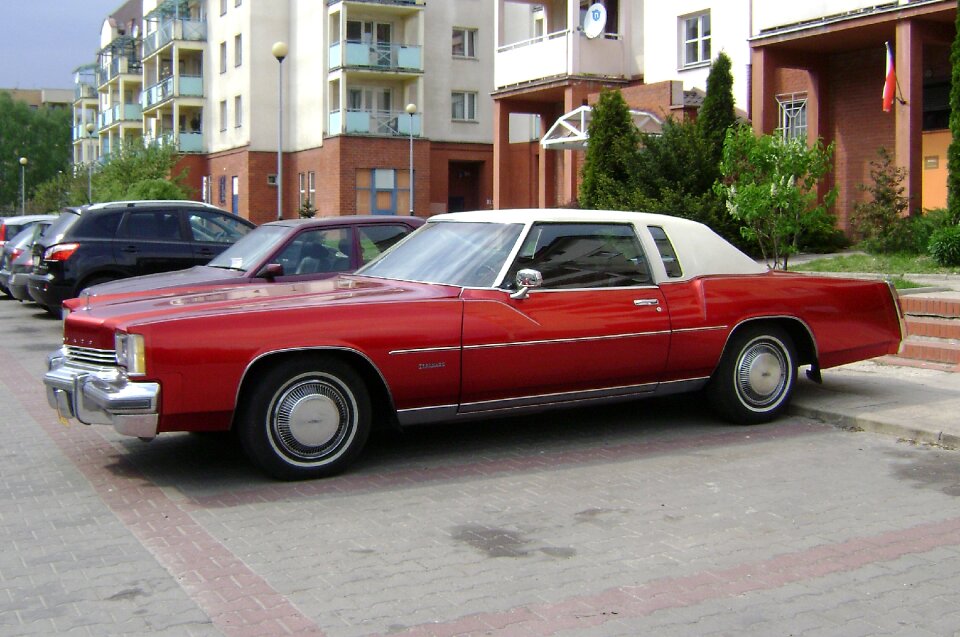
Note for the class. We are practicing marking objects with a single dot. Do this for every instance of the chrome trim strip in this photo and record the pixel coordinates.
(713, 328)
(421, 350)
(556, 398)
(566, 340)
(813, 340)
(426, 415)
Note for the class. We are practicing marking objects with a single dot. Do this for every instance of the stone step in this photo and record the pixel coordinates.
(922, 305)
(935, 350)
(933, 327)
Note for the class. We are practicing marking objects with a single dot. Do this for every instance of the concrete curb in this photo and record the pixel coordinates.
(866, 423)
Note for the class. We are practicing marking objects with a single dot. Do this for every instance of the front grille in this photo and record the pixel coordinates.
(91, 356)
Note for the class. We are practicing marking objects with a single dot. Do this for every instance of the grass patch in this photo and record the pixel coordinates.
(893, 264)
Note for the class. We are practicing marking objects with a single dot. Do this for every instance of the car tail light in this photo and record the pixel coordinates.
(3, 232)
(60, 252)
(16, 252)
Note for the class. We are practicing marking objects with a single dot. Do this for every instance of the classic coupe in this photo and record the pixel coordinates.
(474, 315)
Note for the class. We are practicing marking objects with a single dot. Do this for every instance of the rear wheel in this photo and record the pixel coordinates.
(755, 378)
(305, 418)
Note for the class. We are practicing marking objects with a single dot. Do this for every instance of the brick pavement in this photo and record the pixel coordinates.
(644, 519)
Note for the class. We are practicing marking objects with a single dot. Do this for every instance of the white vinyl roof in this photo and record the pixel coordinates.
(570, 132)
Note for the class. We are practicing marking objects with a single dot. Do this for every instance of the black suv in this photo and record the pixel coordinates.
(102, 242)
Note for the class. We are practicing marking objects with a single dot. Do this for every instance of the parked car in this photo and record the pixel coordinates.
(475, 314)
(12, 226)
(20, 246)
(288, 250)
(94, 244)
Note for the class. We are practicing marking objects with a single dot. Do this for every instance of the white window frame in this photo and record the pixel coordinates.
(238, 49)
(223, 57)
(792, 115)
(223, 116)
(238, 111)
(469, 106)
(703, 57)
(469, 39)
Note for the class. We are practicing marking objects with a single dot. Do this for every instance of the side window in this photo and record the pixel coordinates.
(155, 225)
(667, 253)
(583, 255)
(211, 227)
(102, 226)
(317, 251)
(376, 239)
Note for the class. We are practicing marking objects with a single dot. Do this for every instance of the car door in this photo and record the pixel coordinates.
(151, 240)
(597, 327)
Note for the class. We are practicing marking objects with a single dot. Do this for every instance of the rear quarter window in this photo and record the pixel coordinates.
(97, 226)
(667, 254)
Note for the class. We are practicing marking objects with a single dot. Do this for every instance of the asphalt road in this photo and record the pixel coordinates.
(646, 519)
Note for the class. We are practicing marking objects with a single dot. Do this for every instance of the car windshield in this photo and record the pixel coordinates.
(250, 249)
(467, 254)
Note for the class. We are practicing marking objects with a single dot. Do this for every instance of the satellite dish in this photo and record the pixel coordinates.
(594, 20)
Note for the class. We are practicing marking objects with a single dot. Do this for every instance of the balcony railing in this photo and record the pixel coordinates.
(560, 53)
(84, 91)
(382, 123)
(189, 30)
(400, 3)
(185, 142)
(117, 67)
(189, 86)
(120, 113)
(392, 57)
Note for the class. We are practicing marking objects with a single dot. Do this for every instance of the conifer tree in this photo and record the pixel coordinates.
(953, 153)
(610, 166)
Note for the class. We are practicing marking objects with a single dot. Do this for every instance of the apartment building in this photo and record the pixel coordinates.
(811, 68)
(368, 88)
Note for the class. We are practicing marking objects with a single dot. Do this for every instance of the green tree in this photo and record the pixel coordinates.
(117, 179)
(717, 114)
(770, 185)
(155, 189)
(953, 152)
(42, 136)
(610, 166)
(879, 222)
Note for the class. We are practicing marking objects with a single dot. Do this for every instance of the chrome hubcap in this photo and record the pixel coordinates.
(762, 374)
(310, 418)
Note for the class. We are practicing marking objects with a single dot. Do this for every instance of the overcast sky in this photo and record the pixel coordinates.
(42, 41)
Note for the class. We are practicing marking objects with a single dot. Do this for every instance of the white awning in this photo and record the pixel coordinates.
(570, 131)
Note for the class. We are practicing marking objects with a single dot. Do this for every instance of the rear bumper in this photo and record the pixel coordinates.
(45, 291)
(102, 396)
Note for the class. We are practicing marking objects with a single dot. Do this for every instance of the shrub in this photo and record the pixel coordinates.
(945, 246)
(879, 223)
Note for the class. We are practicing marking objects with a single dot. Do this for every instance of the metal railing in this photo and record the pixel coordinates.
(189, 86)
(369, 122)
(170, 30)
(408, 57)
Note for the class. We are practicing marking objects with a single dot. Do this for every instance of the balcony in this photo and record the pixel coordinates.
(117, 67)
(168, 31)
(189, 86)
(185, 142)
(378, 123)
(395, 58)
(120, 113)
(559, 54)
(84, 92)
(386, 3)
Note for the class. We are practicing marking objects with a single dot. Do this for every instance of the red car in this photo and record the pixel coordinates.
(473, 315)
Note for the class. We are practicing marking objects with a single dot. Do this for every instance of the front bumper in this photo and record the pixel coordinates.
(102, 396)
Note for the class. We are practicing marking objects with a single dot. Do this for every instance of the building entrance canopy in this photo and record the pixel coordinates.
(570, 131)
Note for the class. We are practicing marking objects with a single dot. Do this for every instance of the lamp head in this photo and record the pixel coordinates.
(411, 108)
(280, 50)
(23, 161)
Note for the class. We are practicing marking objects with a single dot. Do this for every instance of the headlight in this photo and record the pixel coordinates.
(130, 353)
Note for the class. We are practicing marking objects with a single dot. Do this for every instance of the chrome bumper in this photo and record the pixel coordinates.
(102, 396)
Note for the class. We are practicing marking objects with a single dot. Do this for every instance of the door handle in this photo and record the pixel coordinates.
(129, 249)
(643, 302)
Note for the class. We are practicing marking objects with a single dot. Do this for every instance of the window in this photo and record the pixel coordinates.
(222, 189)
(238, 111)
(215, 227)
(792, 115)
(156, 225)
(382, 191)
(308, 190)
(376, 239)
(465, 43)
(237, 3)
(667, 254)
(237, 50)
(463, 106)
(223, 7)
(695, 36)
(223, 115)
(318, 251)
(583, 255)
(223, 57)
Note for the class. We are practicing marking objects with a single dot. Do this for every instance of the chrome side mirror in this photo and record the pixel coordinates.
(527, 279)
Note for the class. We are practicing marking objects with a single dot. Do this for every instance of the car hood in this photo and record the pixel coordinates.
(196, 276)
(225, 300)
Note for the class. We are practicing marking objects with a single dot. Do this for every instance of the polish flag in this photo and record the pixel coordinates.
(890, 84)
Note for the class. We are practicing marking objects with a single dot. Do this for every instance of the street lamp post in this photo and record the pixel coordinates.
(280, 51)
(89, 128)
(411, 111)
(23, 185)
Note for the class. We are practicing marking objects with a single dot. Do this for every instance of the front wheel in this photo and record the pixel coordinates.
(305, 418)
(755, 378)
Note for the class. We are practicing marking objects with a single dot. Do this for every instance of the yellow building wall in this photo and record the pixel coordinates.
(934, 192)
